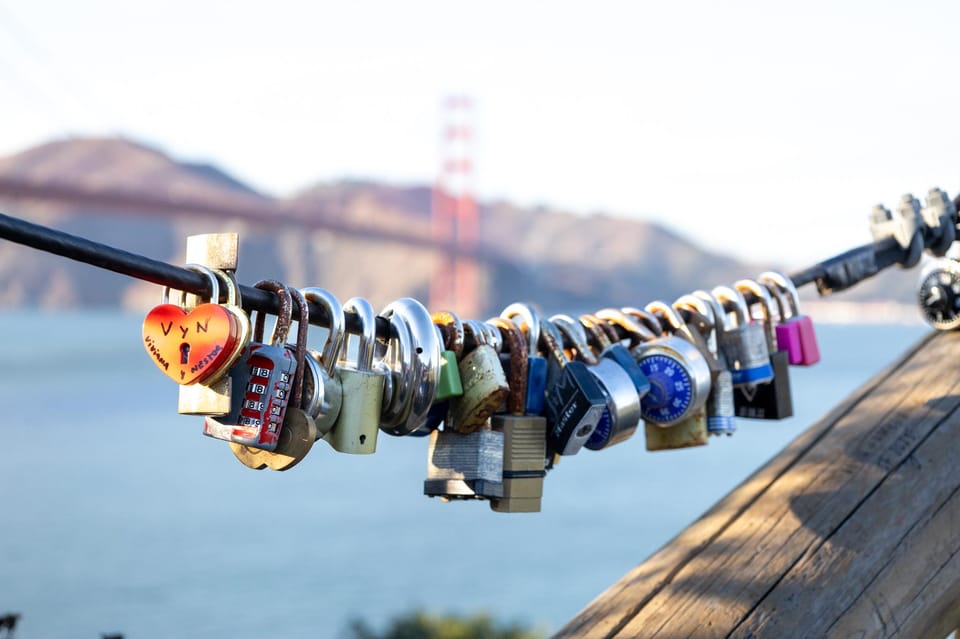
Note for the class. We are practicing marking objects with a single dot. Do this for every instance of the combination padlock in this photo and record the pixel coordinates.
(485, 384)
(773, 399)
(795, 332)
(678, 372)
(529, 323)
(621, 417)
(720, 405)
(261, 380)
(742, 341)
(940, 217)
(574, 403)
(524, 435)
(414, 388)
(213, 397)
(692, 429)
(299, 430)
(322, 387)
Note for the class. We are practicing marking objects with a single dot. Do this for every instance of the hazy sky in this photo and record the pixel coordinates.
(758, 128)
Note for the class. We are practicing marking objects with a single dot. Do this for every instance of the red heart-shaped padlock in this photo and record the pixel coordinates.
(190, 347)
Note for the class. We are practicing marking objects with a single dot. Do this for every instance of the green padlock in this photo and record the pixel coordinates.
(450, 329)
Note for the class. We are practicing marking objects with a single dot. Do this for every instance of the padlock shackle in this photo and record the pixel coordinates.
(211, 277)
(530, 324)
(597, 328)
(519, 361)
(300, 352)
(732, 301)
(636, 332)
(574, 332)
(332, 348)
(452, 330)
(651, 321)
(784, 283)
(368, 332)
(285, 305)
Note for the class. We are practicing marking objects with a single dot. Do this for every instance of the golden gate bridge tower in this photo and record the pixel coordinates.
(454, 215)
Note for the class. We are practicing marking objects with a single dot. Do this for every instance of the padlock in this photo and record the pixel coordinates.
(536, 364)
(742, 341)
(691, 430)
(299, 430)
(719, 407)
(322, 386)
(416, 387)
(359, 422)
(608, 343)
(484, 383)
(191, 345)
(905, 225)
(940, 217)
(771, 400)
(678, 372)
(621, 417)
(465, 465)
(213, 398)
(574, 403)
(262, 380)
(796, 333)
(524, 436)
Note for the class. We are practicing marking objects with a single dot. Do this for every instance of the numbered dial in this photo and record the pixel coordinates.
(672, 391)
(940, 298)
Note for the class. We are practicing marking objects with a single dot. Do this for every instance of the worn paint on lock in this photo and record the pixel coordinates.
(485, 388)
(686, 433)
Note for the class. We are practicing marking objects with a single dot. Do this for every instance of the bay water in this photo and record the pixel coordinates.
(118, 515)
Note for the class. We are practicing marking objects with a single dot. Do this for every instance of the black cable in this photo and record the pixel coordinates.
(150, 270)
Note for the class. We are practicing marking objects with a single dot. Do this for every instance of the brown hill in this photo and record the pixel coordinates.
(555, 258)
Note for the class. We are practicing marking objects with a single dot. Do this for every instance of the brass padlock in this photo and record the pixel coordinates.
(524, 436)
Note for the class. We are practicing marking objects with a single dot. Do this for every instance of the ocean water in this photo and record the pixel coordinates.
(118, 515)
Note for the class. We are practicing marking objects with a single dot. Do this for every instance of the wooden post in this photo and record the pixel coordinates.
(853, 530)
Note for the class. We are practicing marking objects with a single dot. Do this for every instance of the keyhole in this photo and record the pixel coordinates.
(184, 353)
(363, 439)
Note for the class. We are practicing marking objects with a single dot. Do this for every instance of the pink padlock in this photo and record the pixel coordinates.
(795, 333)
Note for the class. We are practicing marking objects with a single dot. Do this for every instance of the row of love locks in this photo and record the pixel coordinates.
(502, 400)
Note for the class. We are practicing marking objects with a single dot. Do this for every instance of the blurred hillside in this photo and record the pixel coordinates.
(552, 257)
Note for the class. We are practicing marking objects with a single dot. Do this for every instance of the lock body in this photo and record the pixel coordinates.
(261, 382)
(465, 465)
(484, 389)
(524, 453)
(772, 400)
(622, 415)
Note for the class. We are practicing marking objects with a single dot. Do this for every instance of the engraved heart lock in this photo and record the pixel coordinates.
(194, 345)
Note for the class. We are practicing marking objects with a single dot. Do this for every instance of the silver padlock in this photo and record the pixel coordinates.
(359, 423)
(322, 388)
(419, 374)
(940, 216)
(678, 372)
(720, 404)
(742, 341)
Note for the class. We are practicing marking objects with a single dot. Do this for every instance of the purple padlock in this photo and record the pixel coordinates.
(795, 333)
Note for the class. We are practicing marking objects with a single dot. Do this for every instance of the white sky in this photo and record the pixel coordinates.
(762, 129)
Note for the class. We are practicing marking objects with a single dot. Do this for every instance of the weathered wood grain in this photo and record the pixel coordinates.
(847, 532)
